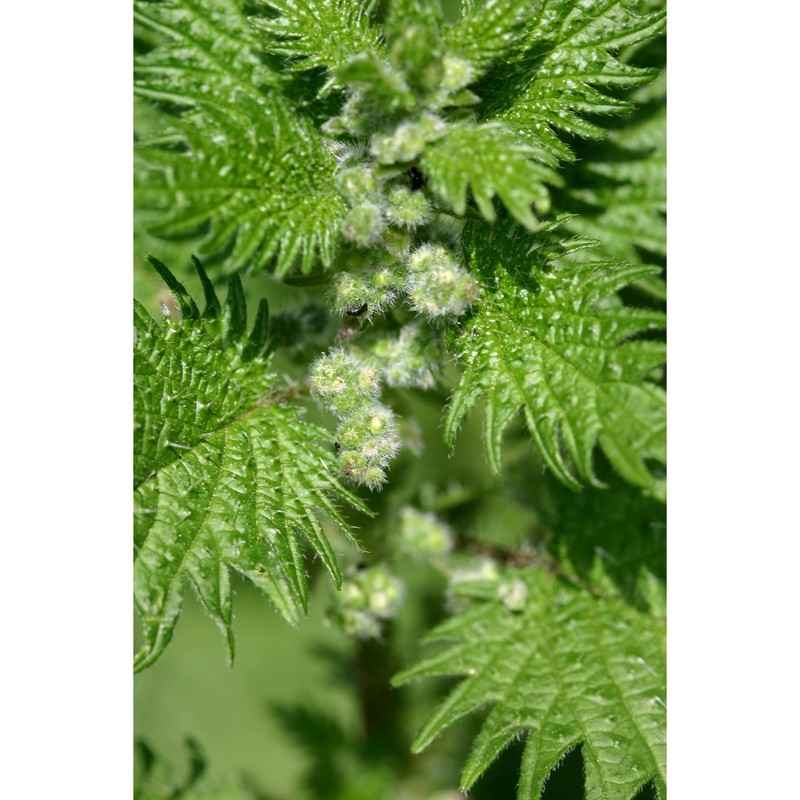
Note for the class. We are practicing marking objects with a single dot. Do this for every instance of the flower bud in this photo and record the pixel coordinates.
(356, 183)
(408, 360)
(384, 592)
(407, 209)
(423, 535)
(458, 73)
(408, 139)
(513, 594)
(363, 224)
(438, 286)
(342, 382)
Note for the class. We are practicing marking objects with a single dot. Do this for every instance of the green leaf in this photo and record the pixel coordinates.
(487, 32)
(209, 55)
(226, 473)
(491, 160)
(565, 68)
(549, 337)
(612, 541)
(618, 190)
(568, 669)
(235, 163)
(155, 779)
(319, 34)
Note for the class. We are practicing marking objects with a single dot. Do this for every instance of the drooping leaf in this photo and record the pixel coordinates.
(549, 338)
(234, 162)
(566, 669)
(227, 475)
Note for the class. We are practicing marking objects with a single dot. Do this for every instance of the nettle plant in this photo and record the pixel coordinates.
(468, 203)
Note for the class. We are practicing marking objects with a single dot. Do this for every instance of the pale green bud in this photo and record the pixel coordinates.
(342, 382)
(407, 360)
(408, 139)
(438, 286)
(423, 535)
(383, 590)
(363, 224)
(406, 208)
(513, 594)
(354, 622)
(458, 73)
(356, 183)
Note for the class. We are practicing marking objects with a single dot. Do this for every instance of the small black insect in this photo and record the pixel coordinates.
(357, 312)
(416, 178)
(337, 446)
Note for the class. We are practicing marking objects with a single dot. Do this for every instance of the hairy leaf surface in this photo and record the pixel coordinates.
(487, 31)
(550, 338)
(235, 162)
(325, 33)
(568, 669)
(611, 541)
(618, 191)
(491, 160)
(565, 67)
(226, 476)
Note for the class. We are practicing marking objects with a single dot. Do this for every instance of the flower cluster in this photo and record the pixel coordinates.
(368, 293)
(368, 598)
(438, 285)
(423, 535)
(408, 359)
(393, 110)
(366, 438)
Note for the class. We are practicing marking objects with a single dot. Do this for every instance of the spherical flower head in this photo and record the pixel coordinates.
(343, 383)
(363, 224)
(371, 430)
(349, 291)
(376, 419)
(353, 595)
(355, 622)
(513, 594)
(366, 378)
(407, 360)
(356, 183)
(397, 242)
(387, 277)
(383, 590)
(407, 141)
(431, 258)
(407, 209)
(349, 435)
(458, 73)
(423, 535)
(363, 295)
(352, 464)
(372, 477)
(438, 286)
